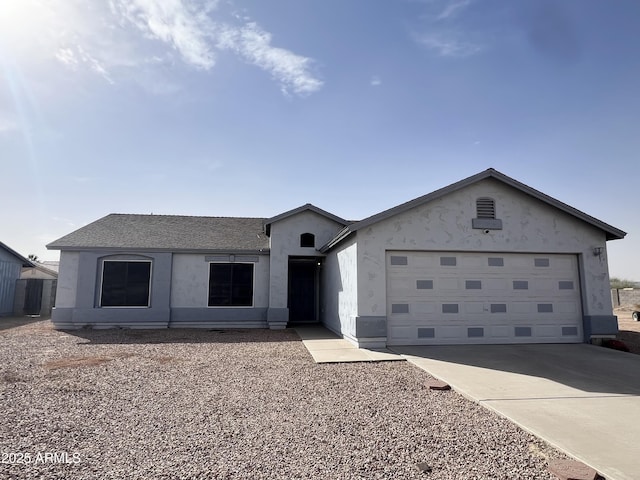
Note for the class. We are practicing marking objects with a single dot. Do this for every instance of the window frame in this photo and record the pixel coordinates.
(104, 262)
(253, 285)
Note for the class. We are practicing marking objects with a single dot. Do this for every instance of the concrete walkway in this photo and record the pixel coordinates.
(326, 347)
(584, 400)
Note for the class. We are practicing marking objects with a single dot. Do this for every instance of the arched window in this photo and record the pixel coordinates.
(485, 207)
(307, 240)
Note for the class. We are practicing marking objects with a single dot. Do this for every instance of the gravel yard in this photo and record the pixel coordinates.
(237, 404)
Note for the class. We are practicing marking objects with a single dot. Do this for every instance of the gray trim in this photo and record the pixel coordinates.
(232, 258)
(371, 327)
(213, 316)
(486, 223)
(277, 317)
(111, 317)
(599, 325)
(115, 250)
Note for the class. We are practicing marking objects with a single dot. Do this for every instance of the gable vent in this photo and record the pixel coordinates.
(485, 207)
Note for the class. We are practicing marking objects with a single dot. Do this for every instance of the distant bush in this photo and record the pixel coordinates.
(622, 283)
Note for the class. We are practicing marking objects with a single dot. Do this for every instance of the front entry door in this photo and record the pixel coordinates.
(303, 290)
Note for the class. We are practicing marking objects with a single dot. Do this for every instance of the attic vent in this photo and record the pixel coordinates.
(485, 207)
(307, 240)
(486, 215)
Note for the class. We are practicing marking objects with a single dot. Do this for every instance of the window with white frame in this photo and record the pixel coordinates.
(230, 284)
(125, 283)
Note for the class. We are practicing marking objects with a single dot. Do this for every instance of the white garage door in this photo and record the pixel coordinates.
(439, 298)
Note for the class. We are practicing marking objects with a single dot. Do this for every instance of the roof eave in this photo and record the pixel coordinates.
(306, 206)
(612, 232)
(25, 261)
(129, 250)
(342, 235)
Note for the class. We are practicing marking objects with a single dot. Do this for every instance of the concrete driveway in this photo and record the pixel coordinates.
(582, 399)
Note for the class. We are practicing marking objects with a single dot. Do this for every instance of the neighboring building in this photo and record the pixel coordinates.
(36, 290)
(485, 260)
(11, 263)
(38, 271)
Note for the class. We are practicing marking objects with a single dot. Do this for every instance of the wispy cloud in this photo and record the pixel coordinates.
(448, 44)
(190, 29)
(375, 81)
(451, 9)
(292, 71)
(442, 33)
(180, 24)
(144, 40)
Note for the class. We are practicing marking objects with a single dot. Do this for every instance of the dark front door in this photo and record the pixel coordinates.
(303, 290)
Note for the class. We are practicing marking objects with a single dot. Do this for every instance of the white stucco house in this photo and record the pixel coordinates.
(485, 260)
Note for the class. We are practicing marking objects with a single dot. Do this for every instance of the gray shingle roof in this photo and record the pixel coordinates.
(168, 232)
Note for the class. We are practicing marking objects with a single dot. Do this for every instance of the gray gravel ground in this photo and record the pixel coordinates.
(198, 404)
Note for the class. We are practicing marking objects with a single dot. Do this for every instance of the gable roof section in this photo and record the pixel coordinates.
(42, 268)
(611, 232)
(295, 211)
(25, 261)
(167, 233)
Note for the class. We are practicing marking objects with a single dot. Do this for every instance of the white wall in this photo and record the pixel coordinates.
(445, 224)
(67, 280)
(190, 281)
(285, 242)
(340, 288)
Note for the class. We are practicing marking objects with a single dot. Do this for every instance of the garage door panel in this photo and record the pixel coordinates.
(501, 332)
(422, 308)
(456, 297)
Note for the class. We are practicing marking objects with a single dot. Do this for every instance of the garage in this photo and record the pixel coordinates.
(440, 298)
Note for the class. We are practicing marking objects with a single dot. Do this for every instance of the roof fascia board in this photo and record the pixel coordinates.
(25, 261)
(342, 235)
(307, 206)
(612, 232)
(133, 250)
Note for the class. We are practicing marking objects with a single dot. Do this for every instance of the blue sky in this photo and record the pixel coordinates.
(237, 108)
